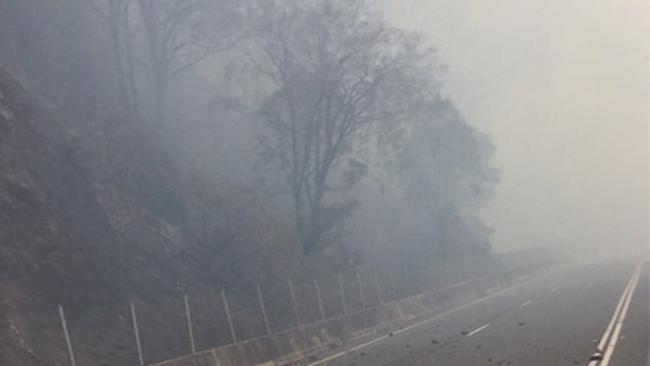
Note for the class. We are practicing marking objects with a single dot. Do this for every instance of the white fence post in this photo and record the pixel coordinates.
(363, 297)
(190, 328)
(215, 359)
(449, 277)
(294, 302)
(66, 334)
(264, 314)
(342, 290)
(136, 334)
(378, 288)
(231, 325)
(320, 300)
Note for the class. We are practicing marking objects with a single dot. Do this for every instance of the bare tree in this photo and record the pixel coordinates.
(116, 14)
(181, 34)
(336, 69)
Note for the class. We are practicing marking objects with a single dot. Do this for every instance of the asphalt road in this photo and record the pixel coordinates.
(558, 319)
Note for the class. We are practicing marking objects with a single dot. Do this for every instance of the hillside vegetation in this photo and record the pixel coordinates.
(260, 143)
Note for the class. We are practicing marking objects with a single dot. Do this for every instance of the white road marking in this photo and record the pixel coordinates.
(360, 346)
(616, 321)
(617, 311)
(619, 324)
(328, 358)
(475, 331)
(526, 303)
(432, 319)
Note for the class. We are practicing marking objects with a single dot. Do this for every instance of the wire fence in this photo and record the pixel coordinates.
(151, 331)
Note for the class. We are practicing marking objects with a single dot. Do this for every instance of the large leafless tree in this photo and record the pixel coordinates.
(117, 17)
(336, 70)
(177, 35)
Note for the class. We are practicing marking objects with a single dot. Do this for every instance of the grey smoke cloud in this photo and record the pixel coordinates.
(562, 87)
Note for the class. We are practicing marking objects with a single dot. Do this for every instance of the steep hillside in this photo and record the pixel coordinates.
(92, 226)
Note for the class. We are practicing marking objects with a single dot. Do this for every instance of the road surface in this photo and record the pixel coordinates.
(558, 319)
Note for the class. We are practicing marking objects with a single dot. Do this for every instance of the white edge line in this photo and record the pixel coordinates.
(329, 358)
(426, 321)
(526, 303)
(358, 347)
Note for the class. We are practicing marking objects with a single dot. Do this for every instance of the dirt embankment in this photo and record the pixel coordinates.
(92, 218)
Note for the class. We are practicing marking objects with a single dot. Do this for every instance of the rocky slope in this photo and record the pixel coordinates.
(93, 217)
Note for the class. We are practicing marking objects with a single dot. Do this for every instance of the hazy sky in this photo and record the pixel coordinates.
(563, 89)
